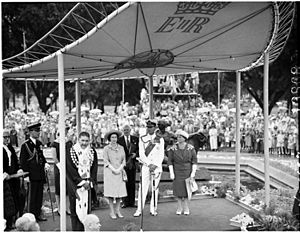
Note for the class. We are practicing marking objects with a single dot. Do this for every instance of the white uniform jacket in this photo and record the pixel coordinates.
(156, 155)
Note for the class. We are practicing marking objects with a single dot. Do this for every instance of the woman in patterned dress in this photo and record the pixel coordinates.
(114, 163)
(182, 161)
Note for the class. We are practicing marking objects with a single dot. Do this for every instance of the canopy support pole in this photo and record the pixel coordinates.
(78, 106)
(62, 142)
(123, 91)
(1, 153)
(219, 89)
(151, 115)
(266, 128)
(238, 135)
(26, 95)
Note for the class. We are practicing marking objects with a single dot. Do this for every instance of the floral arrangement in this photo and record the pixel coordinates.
(208, 190)
(281, 221)
(252, 202)
(242, 220)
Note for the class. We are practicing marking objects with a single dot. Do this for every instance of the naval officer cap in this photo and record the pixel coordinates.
(164, 122)
(151, 123)
(34, 126)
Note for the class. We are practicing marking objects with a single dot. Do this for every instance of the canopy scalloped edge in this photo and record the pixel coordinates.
(284, 13)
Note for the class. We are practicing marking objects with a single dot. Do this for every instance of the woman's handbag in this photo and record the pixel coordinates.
(124, 176)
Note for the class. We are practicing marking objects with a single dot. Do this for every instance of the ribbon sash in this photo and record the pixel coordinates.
(149, 148)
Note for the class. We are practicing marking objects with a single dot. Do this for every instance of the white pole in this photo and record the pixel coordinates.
(26, 95)
(151, 115)
(238, 135)
(26, 82)
(219, 88)
(62, 141)
(266, 128)
(1, 154)
(78, 106)
(123, 91)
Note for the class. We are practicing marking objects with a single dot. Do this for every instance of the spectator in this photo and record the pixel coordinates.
(91, 223)
(280, 143)
(11, 166)
(27, 223)
(213, 137)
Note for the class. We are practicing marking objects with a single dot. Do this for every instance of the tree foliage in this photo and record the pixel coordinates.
(208, 87)
(35, 19)
(28, 17)
(279, 75)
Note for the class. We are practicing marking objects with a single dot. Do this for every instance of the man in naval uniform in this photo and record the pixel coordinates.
(32, 160)
(151, 152)
(82, 165)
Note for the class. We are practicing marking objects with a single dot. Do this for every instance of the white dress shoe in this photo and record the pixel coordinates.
(179, 212)
(119, 215)
(153, 213)
(137, 214)
(186, 212)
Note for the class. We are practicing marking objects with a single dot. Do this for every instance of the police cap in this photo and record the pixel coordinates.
(34, 126)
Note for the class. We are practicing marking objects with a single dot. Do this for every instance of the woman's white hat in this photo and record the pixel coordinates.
(182, 133)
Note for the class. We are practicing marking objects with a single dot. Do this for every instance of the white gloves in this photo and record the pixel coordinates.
(114, 170)
(47, 167)
(172, 175)
(5, 175)
(19, 171)
(58, 165)
(194, 169)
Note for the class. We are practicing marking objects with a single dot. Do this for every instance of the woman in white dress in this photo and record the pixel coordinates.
(213, 137)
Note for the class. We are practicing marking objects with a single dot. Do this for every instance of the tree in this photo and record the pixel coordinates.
(102, 93)
(279, 75)
(18, 18)
(28, 17)
(208, 86)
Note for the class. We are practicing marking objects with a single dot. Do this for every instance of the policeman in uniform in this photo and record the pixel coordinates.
(32, 160)
(151, 152)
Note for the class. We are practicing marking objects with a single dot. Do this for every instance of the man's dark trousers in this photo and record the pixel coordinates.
(130, 186)
(36, 197)
(75, 222)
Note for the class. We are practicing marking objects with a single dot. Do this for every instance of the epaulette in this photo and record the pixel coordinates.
(173, 147)
(190, 147)
(143, 139)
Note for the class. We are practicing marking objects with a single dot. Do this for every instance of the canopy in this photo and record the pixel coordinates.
(145, 38)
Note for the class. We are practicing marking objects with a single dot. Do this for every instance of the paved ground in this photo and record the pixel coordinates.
(207, 214)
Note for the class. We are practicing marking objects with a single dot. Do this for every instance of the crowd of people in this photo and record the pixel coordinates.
(192, 115)
(128, 137)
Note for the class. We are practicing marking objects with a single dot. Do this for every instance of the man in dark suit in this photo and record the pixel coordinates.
(33, 161)
(11, 166)
(131, 147)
